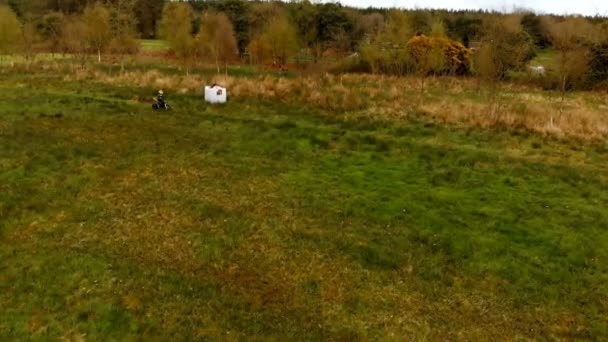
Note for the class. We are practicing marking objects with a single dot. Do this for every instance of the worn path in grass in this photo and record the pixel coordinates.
(274, 221)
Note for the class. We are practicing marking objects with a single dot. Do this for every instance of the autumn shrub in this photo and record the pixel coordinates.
(10, 30)
(122, 45)
(442, 55)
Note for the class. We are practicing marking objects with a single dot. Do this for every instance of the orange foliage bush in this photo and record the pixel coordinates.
(457, 57)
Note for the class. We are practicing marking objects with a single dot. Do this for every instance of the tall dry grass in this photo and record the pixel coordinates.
(454, 101)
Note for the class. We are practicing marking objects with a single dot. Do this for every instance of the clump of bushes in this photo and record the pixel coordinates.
(421, 54)
(598, 65)
(440, 55)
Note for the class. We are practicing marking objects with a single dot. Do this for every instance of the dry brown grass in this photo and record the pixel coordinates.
(454, 101)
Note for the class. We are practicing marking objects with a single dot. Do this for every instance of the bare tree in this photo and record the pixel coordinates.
(258, 51)
(31, 41)
(280, 36)
(387, 50)
(428, 55)
(51, 26)
(372, 24)
(569, 37)
(262, 13)
(505, 46)
(98, 33)
(124, 34)
(176, 28)
(507, 43)
(10, 31)
(73, 37)
(216, 37)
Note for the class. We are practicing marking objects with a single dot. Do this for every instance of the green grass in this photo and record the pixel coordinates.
(545, 57)
(271, 221)
(154, 45)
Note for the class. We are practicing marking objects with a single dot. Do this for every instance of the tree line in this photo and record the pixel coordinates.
(421, 42)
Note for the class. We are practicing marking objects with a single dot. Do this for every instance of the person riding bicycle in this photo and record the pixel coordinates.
(160, 99)
(160, 103)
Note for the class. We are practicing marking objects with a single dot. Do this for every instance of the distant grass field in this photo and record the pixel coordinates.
(264, 220)
(153, 45)
(545, 57)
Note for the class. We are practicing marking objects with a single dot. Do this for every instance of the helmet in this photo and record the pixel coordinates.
(160, 92)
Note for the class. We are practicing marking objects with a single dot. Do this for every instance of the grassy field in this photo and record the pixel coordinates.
(267, 219)
(153, 45)
(547, 58)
